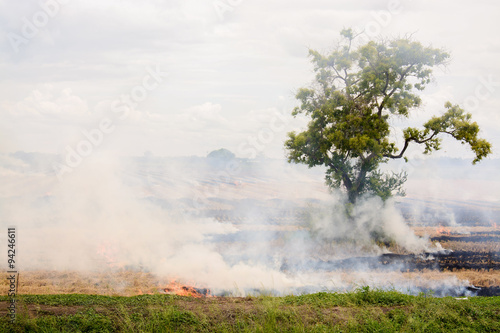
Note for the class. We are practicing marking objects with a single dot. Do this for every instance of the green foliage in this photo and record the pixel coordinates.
(360, 297)
(93, 300)
(364, 310)
(356, 93)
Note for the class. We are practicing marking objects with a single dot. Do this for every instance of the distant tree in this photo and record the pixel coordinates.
(221, 154)
(356, 92)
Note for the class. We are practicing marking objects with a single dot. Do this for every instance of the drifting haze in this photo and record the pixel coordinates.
(229, 68)
(267, 226)
(94, 81)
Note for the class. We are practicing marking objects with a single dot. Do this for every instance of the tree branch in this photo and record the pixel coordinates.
(407, 142)
(403, 75)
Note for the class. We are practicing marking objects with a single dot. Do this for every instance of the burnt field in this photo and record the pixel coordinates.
(485, 257)
(256, 233)
(468, 235)
(467, 262)
(445, 261)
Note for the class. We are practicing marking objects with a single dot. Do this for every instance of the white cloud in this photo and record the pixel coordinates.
(45, 103)
(221, 72)
(203, 116)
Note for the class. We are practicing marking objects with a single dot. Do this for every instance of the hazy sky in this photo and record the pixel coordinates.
(187, 77)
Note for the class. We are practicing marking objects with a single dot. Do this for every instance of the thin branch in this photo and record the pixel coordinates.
(407, 142)
(403, 75)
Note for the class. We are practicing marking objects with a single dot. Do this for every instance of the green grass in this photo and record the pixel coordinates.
(365, 310)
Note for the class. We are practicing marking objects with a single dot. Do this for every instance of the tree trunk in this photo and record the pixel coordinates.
(351, 190)
(352, 196)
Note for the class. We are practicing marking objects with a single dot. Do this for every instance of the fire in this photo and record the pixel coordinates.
(140, 292)
(177, 288)
(443, 230)
(108, 252)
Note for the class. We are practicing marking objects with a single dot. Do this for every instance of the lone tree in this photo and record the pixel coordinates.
(355, 94)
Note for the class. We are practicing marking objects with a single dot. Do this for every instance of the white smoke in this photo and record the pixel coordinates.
(102, 218)
(370, 218)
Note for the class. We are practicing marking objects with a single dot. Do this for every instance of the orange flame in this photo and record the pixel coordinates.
(108, 252)
(443, 230)
(140, 292)
(177, 288)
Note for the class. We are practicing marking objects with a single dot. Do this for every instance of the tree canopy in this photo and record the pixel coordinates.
(357, 90)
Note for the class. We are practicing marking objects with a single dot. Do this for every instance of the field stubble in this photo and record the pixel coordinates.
(114, 282)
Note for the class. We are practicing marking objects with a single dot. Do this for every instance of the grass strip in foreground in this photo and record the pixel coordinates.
(365, 310)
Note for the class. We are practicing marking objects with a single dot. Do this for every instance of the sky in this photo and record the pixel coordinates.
(183, 78)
